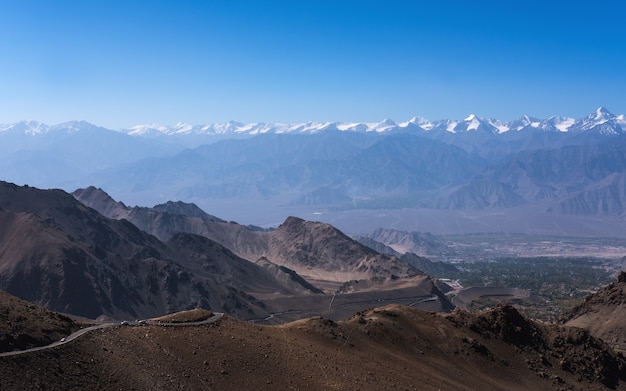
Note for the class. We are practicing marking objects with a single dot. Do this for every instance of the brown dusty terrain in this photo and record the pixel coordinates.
(196, 315)
(392, 347)
(604, 314)
(24, 325)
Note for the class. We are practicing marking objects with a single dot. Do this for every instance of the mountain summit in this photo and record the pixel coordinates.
(601, 121)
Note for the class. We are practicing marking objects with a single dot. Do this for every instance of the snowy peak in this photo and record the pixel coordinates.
(37, 128)
(532, 122)
(601, 115)
(601, 121)
(148, 130)
(501, 126)
(527, 123)
(183, 128)
(385, 125)
(603, 112)
(421, 122)
(562, 124)
(26, 127)
(472, 123)
(74, 126)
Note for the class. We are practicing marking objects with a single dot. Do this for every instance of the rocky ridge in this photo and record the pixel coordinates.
(61, 254)
(314, 250)
(603, 314)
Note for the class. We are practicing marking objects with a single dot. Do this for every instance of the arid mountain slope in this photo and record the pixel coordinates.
(24, 325)
(316, 251)
(319, 251)
(203, 257)
(604, 314)
(392, 347)
(58, 253)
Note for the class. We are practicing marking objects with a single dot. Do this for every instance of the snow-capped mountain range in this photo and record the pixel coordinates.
(601, 121)
(533, 169)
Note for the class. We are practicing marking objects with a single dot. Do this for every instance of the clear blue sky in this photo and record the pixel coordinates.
(122, 63)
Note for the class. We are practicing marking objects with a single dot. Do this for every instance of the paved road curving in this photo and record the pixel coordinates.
(216, 316)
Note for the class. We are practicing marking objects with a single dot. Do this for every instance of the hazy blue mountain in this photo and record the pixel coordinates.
(564, 177)
(264, 172)
(60, 155)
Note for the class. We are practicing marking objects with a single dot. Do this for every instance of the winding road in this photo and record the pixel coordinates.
(216, 316)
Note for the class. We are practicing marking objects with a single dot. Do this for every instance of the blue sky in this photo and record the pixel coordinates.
(122, 63)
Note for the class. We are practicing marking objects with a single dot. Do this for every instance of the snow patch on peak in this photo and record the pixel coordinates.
(421, 122)
(501, 126)
(528, 121)
(30, 127)
(182, 127)
(72, 126)
(563, 123)
(602, 121)
(353, 127)
(474, 123)
(384, 125)
(452, 126)
(147, 129)
(601, 115)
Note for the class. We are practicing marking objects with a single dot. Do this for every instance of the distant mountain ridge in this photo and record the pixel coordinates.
(602, 121)
(557, 175)
(314, 250)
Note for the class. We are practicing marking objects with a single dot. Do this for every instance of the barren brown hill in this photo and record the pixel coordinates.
(604, 314)
(319, 251)
(60, 254)
(392, 347)
(316, 251)
(24, 325)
